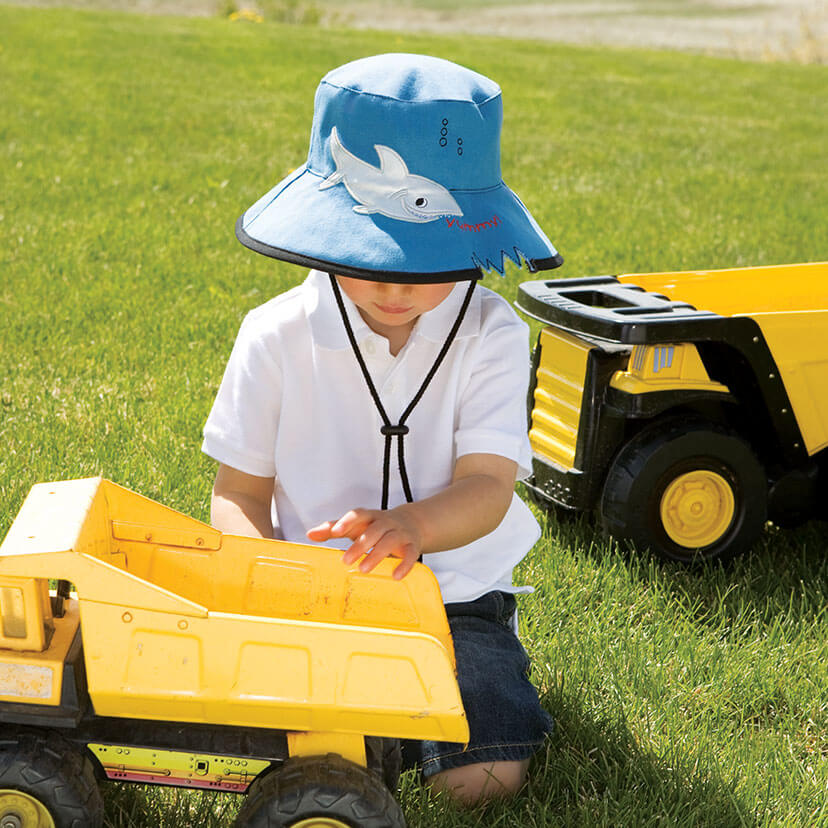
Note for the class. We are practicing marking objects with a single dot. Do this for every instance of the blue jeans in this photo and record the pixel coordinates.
(506, 721)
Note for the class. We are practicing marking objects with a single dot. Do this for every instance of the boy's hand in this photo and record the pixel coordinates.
(473, 505)
(376, 535)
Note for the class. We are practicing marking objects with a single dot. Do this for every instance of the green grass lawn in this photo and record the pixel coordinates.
(128, 147)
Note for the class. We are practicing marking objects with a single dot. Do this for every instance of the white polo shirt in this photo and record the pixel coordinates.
(293, 404)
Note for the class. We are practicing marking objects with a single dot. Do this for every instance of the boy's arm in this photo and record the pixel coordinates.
(240, 503)
(473, 505)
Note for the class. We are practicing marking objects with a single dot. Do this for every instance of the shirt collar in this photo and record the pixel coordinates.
(329, 332)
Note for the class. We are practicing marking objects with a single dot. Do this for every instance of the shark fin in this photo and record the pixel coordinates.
(391, 162)
(363, 210)
(337, 175)
(332, 180)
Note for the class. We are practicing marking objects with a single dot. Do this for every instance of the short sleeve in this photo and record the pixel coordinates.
(241, 428)
(492, 408)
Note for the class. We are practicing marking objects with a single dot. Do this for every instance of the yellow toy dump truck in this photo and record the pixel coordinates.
(185, 656)
(685, 408)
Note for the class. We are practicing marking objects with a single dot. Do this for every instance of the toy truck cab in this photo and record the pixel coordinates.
(194, 658)
(684, 408)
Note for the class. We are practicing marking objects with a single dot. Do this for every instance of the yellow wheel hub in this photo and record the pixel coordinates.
(318, 822)
(19, 810)
(696, 509)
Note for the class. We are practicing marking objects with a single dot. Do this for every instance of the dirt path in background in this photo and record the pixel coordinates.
(778, 29)
(754, 29)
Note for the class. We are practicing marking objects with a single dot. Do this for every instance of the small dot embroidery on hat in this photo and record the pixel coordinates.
(444, 139)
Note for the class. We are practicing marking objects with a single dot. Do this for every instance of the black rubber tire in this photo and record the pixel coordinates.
(46, 767)
(384, 758)
(319, 786)
(638, 477)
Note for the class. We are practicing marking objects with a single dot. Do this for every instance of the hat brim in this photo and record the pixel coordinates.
(298, 222)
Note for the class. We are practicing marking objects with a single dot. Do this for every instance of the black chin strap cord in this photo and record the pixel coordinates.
(388, 430)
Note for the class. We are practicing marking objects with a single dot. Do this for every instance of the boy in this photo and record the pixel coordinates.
(382, 352)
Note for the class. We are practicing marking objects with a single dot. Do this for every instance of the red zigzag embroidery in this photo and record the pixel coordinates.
(494, 221)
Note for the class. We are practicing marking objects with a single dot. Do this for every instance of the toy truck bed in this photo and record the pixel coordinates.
(742, 351)
(190, 657)
(183, 623)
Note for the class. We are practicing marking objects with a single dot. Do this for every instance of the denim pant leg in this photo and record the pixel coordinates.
(506, 721)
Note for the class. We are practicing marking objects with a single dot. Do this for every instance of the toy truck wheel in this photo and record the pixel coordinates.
(384, 756)
(45, 783)
(687, 490)
(320, 792)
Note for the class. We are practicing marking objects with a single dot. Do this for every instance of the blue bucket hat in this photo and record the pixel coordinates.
(402, 181)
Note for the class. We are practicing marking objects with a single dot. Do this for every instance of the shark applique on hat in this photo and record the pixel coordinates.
(402, 181)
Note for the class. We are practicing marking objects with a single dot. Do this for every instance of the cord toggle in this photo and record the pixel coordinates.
(394, 430)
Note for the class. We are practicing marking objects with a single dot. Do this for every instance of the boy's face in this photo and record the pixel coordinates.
(387, 306)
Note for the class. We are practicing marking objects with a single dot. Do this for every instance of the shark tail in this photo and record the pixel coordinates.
(337, 175)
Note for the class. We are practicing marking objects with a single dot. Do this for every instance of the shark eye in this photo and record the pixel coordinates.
(421, 202)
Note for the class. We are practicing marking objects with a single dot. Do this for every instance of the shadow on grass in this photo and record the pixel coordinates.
(732, 651)
(786, 573)
(594, 773)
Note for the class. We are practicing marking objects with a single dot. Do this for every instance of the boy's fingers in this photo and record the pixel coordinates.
(351, 524)
(353, 553)
(322, 532)
(389, 545)
(363, 543)
(408, 561)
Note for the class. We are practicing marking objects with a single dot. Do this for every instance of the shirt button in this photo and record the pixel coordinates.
(370, 348)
